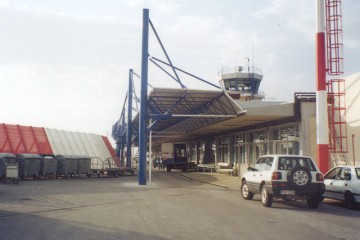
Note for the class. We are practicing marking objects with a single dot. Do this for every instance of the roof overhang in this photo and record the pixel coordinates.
(175, 113)
(180, 115)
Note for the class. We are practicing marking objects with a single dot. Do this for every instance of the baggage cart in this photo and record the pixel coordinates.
(97, 167)
(115, 168)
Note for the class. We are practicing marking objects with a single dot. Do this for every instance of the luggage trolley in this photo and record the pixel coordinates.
(97, 167)
(118, 168)
(113, 167)
(9, 168)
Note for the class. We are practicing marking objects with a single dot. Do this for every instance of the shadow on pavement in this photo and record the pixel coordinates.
(13, 227)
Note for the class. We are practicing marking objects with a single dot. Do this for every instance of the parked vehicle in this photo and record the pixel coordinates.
(174, 157)
(290, 177)
(343, 183)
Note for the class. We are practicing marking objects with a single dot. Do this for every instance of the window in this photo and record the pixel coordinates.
(332, 174)
(345, 174)
(201, 151)
(288, 163)
(264, 164)
(193, 152)
(224, 149)
(357, 170)
(287, 140)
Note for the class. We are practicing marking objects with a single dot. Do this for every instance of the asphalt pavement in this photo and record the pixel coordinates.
(224, 180)
(176, 205)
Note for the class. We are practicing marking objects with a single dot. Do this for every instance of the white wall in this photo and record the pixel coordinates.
(352, 95)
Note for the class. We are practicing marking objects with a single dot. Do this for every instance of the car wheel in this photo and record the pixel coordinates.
(299, 177)
(266, 198)
(245, 193)
(313, 202)
(350, 201)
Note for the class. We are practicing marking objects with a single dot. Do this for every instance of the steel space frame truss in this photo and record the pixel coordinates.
(184, 113)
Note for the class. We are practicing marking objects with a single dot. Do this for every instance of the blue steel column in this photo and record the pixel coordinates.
(143, 98)
(129, 122)
(123, 141)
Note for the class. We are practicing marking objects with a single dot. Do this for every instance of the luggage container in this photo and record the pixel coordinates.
(67, 166)
(29, 165)
(12, 173)
(48, 166)
(84, 166)
(4, 159)
(9, 169)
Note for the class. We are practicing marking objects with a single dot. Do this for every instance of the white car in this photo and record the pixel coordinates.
(289, 177)
(343, 183)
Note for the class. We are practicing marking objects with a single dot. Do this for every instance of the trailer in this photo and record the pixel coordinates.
(110, 167)
(114, 167)
(97, 167)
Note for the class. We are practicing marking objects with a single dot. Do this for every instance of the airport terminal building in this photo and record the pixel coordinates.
(233, 125)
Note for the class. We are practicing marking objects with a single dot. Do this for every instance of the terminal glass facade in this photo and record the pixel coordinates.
(246, 147)
(239, 148)
(224, 150)
(249, 146)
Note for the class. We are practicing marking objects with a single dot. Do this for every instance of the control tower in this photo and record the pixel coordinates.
(242, 83)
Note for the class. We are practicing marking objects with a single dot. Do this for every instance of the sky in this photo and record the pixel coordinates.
(64, 64)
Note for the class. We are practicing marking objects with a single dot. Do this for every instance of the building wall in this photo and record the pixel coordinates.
(352, 86)
(308, 130)
(244, 147)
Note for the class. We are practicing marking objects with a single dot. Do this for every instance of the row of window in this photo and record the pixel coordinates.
(246, 147)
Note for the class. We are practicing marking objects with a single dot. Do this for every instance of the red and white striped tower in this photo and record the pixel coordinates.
(321, 93)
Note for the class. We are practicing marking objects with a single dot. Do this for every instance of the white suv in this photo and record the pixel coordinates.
(284, 176)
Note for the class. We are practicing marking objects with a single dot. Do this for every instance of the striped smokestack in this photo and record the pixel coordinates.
(322, 139)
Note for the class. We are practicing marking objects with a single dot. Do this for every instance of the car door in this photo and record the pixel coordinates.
(342, 182)
(261, 172)
(329, 179)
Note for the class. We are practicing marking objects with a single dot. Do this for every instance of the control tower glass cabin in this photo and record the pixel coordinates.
(242, 83)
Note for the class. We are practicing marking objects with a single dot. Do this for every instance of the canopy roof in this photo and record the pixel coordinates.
(175, 113)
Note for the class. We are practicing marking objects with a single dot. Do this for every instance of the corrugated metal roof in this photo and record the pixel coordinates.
(23, 139)
(36, 140)
(76, 143)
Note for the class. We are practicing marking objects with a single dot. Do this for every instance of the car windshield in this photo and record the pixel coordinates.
(288, 163)
(357, 170)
